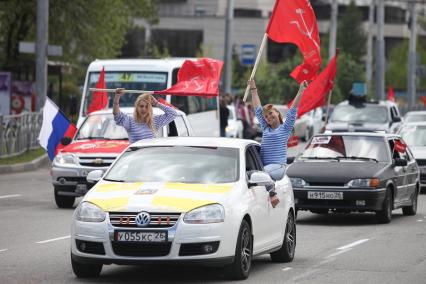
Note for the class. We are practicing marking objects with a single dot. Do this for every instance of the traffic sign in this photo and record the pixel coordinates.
(248, 54)
(29, 47)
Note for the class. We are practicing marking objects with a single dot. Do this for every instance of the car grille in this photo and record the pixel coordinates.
(96, 162)
(423, 177)
(158, 220)
(421, 162)
(141, 249)
(331, 184)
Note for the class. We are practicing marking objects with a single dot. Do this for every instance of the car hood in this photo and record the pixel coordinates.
(334, 171)
(419, 152)
(357, 127)
(156, 196)
(96, 146)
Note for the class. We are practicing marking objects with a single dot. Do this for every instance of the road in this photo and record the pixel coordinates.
(334, 248)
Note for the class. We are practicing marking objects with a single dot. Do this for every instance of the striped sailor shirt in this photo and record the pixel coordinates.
(138, 131)
(274, 141)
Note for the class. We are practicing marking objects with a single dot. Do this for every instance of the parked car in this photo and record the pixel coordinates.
(359, 116)
(344, 172)
(415, 116)
(235, 126)
(96, 144)
(414, 134)
(183, 199)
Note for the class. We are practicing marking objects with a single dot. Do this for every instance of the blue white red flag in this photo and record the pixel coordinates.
(55, 126)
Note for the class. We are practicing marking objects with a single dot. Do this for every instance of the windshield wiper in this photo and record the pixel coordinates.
(360, 158)
(115, 180)
(321, 158)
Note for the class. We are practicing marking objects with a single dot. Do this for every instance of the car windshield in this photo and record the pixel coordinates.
(177, 164)
(414, 135)
(415, 117)
(101, 126)
(147, 81)
(366, 113)
(346, 146)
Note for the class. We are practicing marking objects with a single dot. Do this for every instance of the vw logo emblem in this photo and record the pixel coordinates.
(143, 219)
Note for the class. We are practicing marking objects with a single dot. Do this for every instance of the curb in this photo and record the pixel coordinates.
(23, 167)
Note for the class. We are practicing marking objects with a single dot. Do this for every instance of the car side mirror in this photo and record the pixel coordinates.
(66, 140)
(399, 162)
(94, 176)
(397, 119)
(259, 179)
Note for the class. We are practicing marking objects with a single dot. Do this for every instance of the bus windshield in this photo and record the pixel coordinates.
(146, 81)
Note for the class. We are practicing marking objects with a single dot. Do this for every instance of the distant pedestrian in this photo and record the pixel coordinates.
(143, 124)
(224, 115)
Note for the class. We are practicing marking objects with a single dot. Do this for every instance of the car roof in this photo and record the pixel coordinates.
(369, 134)
(414, 112)
(370, 103)
(196, 142)
(414, 123)
(129, 110)
(136, 64)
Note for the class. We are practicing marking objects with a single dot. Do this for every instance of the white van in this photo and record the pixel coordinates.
(151, 75)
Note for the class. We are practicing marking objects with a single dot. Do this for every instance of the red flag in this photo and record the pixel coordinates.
(197, 78)
(391, 94)
(316, 93)
(292, 141)
(400, 147)
(70, 132)
(99, 99)
(294, 21)
(423, 98)
(164, 102)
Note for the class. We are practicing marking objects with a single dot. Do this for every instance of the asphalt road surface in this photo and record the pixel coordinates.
(333, 248)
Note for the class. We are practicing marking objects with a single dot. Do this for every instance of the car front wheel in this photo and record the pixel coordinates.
(385, 215)
(288, 248)
(240, 268)
(85, 270)
(63, 201)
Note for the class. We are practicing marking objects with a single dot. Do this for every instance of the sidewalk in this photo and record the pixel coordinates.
(23, 167)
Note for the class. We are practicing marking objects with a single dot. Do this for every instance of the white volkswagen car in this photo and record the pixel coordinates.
(184, 199)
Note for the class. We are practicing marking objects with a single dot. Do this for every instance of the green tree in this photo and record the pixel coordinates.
(351, 38)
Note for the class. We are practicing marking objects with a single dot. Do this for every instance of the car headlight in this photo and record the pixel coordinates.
(298, 182)
(213, 213)
(65, 159)
(364, 182)
(89, 212)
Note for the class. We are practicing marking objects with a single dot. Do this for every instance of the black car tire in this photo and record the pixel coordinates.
(319, 211)
(85, 270)
(240, 268)
(385, 215)
(412, 209)
(63, 201)
(288, 248)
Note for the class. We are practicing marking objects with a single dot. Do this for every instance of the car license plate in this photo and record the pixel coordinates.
(141, 236)
(325, 195)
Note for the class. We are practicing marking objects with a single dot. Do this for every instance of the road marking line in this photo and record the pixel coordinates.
(8, 196)
(353, 244)
(287, 268)
(2, 250)
(420, 220)
(337, 253)
(52, 240)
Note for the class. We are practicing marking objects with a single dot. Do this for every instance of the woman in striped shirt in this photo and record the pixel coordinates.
(143, 124)
(276, 133)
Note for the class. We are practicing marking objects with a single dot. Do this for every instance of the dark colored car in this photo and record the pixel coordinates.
(344, 172)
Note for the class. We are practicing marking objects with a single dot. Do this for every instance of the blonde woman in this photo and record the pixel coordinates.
(143, 124)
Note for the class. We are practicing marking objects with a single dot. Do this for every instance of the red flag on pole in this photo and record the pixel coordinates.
(99, 99)
(316, 93)
(391, 94)
(197, 78)
(423, 98)
(294, 21)
(400, 147)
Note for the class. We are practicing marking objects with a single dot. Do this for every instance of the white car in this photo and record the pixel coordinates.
(415, 116)
(184, 199)
(308, 124)
(235, 126)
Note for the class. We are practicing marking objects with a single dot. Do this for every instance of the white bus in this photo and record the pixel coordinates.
(151, 75)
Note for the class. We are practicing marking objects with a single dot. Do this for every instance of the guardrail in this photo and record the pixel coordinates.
(19, 133)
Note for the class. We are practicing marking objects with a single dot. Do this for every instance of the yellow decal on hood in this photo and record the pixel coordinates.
(111, 187)
(111, 204)
(205, 188)
(178, 203)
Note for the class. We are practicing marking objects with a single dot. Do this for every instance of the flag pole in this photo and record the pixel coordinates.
(124, 91)
(328, 108)
(259, 54)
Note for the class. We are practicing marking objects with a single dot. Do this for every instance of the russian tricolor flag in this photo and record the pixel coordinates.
(55, 126)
